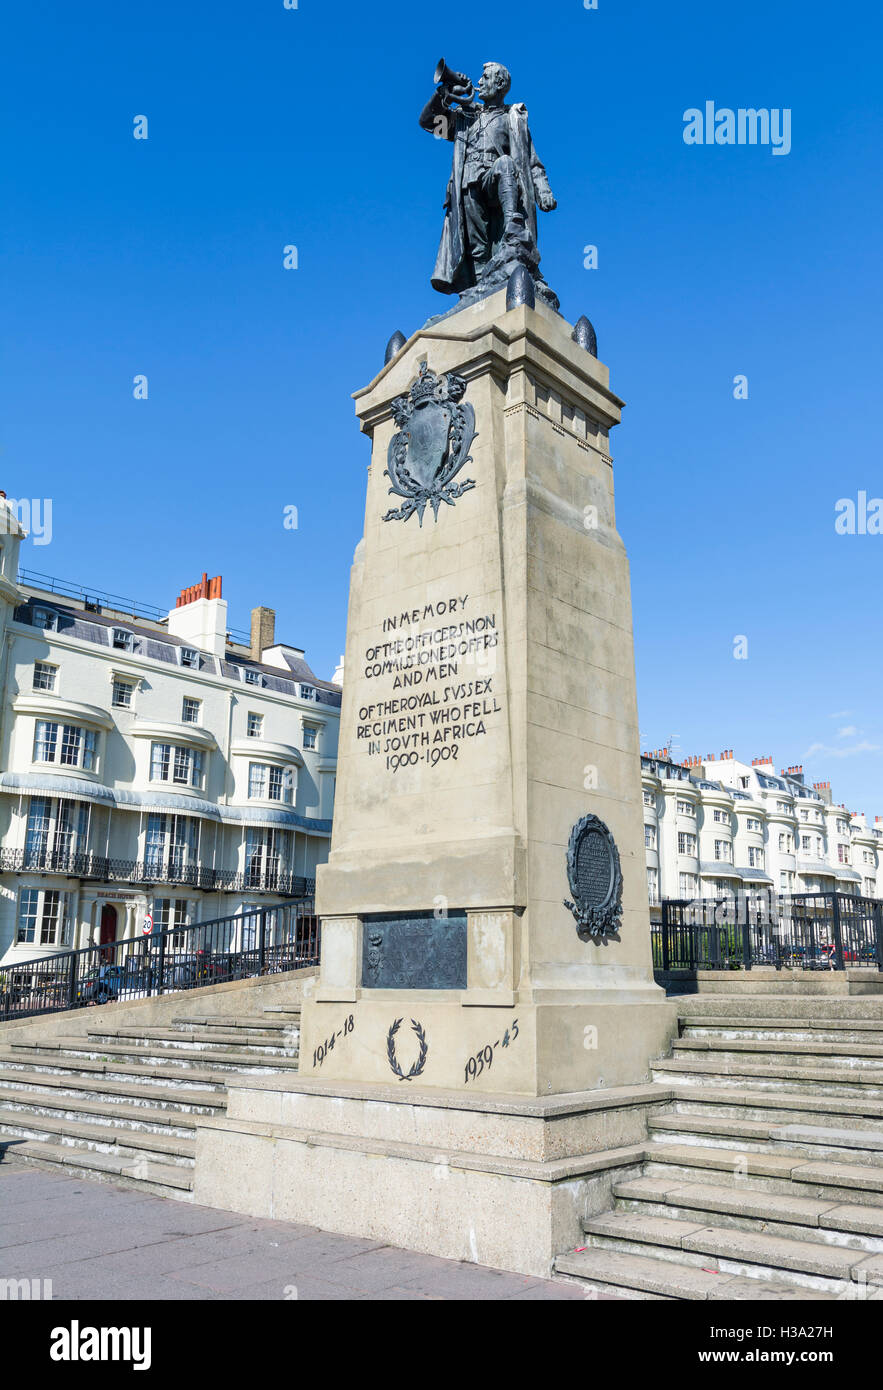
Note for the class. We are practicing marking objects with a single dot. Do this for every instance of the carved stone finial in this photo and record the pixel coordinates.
(520, 289)
(394, 346)
(584, 335)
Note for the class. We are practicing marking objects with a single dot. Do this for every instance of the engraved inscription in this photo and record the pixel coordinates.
(434, 671)
(594, 869)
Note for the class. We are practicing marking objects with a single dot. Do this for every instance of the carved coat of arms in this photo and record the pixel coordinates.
(436, 430)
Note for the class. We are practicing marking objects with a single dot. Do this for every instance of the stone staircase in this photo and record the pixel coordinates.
(763, 1173)
(122, 1103)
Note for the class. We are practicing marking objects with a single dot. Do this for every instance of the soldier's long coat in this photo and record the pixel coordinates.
(453, 269)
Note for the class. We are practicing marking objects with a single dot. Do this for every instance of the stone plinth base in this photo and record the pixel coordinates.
(573, 1040)
(494, 1180)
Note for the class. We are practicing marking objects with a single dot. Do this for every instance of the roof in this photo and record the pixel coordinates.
(158, 645)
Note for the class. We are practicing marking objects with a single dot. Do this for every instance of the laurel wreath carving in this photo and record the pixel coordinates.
(418, 1066)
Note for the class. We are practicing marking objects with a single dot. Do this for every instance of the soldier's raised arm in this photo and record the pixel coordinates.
(437, 117)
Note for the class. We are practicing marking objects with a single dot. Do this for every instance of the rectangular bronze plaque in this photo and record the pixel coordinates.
(415, 951)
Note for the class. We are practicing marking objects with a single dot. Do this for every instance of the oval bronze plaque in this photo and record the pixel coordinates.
(595, 878)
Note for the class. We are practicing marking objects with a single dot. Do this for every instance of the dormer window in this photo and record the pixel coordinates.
(189, 657)
(307, 692)
(122, 640)
(252, 677)
(46, 619)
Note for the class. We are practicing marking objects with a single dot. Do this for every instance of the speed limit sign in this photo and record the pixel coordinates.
(147, 925)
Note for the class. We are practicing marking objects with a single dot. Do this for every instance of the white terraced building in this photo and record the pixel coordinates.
(717, 826)
(149, 763)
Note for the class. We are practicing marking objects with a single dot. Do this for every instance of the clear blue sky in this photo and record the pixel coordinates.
(270, 126)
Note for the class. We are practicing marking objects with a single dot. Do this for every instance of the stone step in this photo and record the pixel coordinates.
(835, 1223)
(858, 1030)
(113, 1116)
(100, 1138)
(159, 1070)
(196, 1044)
(799, 1077)
(166, 1180)
(635, 1276)
(150, 1055)
(789, 1174)
(777, 1107)
(814, 1141)
(845, 1054)
(260, 1024)
(805, 1263)
(782, 1005)
(210, 1099)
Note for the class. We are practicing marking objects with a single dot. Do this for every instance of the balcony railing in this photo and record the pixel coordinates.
(266, 879)
(261, 941)
(806, 931)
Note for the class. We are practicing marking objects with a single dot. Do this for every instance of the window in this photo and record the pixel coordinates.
(189, 657)
(686, 843)
(46, 619)
(309, 737)
(843, 854)
(721, 887)
(122, 694)
(122, 639)
(307, 692)
(255, 726)
(685, 808)
(649, 837)
(44, 676)
(782, 806)
(649, 799)
(688, 885)
(755, 857)
(785, 843)
(171, 848)
(75, 748)
(804, 815)
(266, 855)
(171, 763)
(252, 677)
(868, 856)
(842, 827)
(723, 851)
(268, 783)
(722, 817)
(44, 917)
(652, 886)
(751, 823)
(804, 843)
(171, 912)
(56, 831)
(869, 888)
(190, 710)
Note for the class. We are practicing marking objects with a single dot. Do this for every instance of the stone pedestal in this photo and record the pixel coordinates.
(488, 706)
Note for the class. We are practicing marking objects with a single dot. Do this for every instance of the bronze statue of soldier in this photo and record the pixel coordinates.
(496, 185)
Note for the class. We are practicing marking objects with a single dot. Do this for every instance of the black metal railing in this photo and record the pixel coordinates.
(806, 931)
(262, 941)
(265, 878)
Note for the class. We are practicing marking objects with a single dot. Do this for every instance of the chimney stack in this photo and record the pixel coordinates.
(263, 631)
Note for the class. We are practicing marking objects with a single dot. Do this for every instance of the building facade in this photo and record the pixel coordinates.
(151, 765)
(717, 826)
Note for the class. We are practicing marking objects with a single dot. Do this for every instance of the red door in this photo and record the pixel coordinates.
(107, 932)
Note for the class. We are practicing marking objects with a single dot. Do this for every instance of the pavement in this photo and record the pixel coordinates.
(95, 1240)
